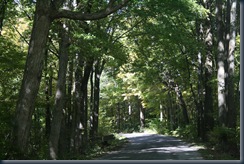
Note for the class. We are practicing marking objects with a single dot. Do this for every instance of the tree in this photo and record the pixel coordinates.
(60, 95)
(231, 119)
(12, 62)
(32, 75)
(221, 65)
(162, 60)
(142, 114)
(99, 65)
(3, 5)
(46, 12)
(209, 70)
(225, 59)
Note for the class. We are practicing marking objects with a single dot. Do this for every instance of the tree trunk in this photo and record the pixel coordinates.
(199, 97)
(91, 106)
(142, 114)
(48, 93)
(70, 101)
(221, 65)
(170, 108)
(96, 98)
(129, 113)
(208, 98)
(98, 71)
(161, 111)
(63, 145)
(84, 112)
(200, 107)
(60, 94)
(32, 76)
(195, 100)
(78, 105)
(3, 6)
(118, 118)
(183, 104)
(34, 63)
(231, 66)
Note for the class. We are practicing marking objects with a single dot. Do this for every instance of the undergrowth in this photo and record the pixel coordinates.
(220, 144)
(99, 149)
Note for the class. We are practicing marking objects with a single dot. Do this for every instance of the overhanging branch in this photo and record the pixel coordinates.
(78, 15)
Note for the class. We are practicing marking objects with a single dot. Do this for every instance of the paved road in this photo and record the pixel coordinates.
(143, 146)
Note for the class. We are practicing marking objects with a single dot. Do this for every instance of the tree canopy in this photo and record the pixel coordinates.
(73, 71)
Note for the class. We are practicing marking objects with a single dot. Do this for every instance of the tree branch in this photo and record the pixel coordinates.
(130, 29)
(25, 40)
(78, 15)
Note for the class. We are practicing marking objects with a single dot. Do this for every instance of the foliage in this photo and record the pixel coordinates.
(188, 132)
(224, 144)
(150, 49)
(106, 125)
(12, 61)
(158, 126)
(225, 139)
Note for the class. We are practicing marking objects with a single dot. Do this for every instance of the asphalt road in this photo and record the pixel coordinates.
(143, 146)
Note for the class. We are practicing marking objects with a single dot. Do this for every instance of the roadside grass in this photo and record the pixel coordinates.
(210, 152)
(213, 154)
(207, 150)
(99, 149)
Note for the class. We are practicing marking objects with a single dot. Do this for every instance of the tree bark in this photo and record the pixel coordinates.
(84, 112)
(77, 15)
(170, 108)
(183, 104)
(142, 114)
(208, 97)
(78, 126)
(46, 11)
(48, 93)
(32, 75)
(98, 72)
(118, 118)
(221, 65)
(231, 119)
(195, 100)
(60, 94)
(70, 100)
(3, 6)
(161, 111)
(96, 97)
(91, 106)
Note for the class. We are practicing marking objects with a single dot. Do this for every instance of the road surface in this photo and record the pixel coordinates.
(144, 146)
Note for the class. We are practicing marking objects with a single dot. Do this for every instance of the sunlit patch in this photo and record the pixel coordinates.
(58, 94)
(52, 153)
(81, 126)
(28, 90)
(171, 149)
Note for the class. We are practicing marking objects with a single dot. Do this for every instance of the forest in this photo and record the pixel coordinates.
(73, 71)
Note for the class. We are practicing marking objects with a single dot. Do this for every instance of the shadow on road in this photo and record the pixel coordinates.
(143, 146)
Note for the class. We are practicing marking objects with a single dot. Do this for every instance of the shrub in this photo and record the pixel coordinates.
(158, 126)
(188, 132)
(225, 139)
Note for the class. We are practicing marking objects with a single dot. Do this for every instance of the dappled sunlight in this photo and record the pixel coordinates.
(58, 94)
(138, 80)
(143, 146)
(170, 149)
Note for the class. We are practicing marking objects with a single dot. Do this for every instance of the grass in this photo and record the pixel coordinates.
(212, 152)
(99, 149)
(208, 152)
